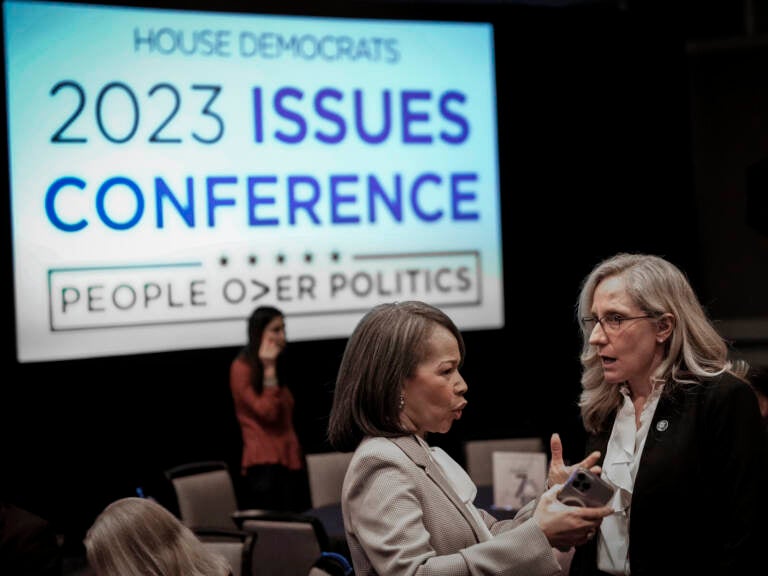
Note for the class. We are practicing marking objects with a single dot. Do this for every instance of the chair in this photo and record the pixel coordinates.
(205, 493)
(236, 546)
(479, 453)
(287, 544)
(326, 475)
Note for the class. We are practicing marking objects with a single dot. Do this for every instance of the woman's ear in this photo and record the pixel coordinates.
(666, 324)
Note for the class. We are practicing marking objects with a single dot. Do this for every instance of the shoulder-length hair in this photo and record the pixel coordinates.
(383, 351)
(257, 323)
(139, 537)
(694, 351)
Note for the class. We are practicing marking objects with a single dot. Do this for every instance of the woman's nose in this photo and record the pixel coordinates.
(597, 335)
(462, 387)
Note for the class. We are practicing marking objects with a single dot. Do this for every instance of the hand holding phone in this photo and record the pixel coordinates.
(584, 488)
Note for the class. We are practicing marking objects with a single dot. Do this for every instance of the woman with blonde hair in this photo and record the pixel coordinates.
(138, 537)
(677, 426)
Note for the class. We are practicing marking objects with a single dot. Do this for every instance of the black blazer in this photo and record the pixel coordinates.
(699, 500)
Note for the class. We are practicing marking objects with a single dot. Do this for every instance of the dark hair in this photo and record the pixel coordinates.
(257, 322)
(384, 349)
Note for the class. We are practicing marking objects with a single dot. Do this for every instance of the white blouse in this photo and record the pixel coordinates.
(622, 459)
(460, 481)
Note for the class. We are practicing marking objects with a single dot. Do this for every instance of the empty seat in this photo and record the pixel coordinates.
(236, 546)
(287, 544)
(326, 472)
(205, 493)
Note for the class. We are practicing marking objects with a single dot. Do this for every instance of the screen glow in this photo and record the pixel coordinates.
(170, 170)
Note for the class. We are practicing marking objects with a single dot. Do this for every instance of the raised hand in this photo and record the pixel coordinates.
(558, 471)
(270, 349)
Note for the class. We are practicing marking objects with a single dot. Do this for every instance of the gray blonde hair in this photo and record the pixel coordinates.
(694, 351)
(382, 352)
(139, 537)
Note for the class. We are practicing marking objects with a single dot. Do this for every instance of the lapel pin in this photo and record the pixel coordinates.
(662, 425)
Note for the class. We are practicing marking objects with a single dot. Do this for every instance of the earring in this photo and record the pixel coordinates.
(401, 402)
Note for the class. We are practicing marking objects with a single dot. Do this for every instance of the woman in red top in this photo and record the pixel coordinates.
(272, 462)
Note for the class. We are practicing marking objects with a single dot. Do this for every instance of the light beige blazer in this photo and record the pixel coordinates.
(402, 517)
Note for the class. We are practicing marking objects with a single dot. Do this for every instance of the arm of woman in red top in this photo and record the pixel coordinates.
(266, 406)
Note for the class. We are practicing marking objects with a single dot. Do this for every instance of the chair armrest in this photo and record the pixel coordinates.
(210, 532)
(241, 516)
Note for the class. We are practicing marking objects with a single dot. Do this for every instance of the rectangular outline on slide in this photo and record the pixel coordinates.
(475, 302)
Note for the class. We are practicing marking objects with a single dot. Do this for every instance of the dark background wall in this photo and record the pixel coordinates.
(613, 120)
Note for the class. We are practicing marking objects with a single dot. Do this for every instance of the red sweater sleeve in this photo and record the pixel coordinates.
(266, 407)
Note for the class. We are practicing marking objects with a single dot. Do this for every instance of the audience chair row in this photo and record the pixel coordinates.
(288, 544)
(255, 541)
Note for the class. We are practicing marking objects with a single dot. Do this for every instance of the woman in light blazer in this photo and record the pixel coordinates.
(408, 508)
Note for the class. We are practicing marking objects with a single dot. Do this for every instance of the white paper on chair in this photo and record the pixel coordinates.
(518, 478)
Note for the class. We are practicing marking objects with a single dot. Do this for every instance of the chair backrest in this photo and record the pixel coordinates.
(236, 546)
(326, 475)
(287, 544)
(205, 493)
(479, 455)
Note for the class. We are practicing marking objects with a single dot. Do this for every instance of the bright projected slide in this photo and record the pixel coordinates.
(170, 170)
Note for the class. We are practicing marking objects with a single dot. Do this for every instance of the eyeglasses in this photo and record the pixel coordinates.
(610, 322)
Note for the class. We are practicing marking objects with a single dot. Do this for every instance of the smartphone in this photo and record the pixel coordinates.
(583, 488)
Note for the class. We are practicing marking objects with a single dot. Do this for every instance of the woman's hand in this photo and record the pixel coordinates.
(269, 350)
(558, 471)
(566, 526)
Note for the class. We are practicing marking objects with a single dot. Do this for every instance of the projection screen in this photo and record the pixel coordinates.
(170, 170)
